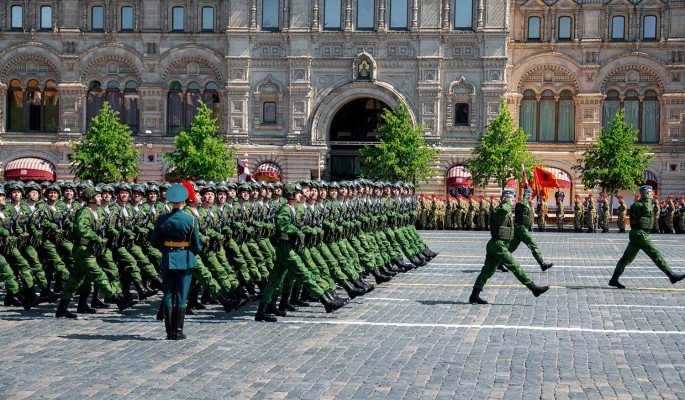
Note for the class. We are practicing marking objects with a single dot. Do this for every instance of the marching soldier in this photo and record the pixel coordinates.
(523, 222)
(641, 222)
(502, 232)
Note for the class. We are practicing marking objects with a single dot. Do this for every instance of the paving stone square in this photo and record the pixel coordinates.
(415, 337)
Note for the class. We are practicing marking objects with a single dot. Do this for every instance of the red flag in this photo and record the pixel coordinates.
(525, 178)
(545, 178)
(244, 174)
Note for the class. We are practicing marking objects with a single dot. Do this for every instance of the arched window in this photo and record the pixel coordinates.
(113, 96)
(207, 19)
(642, 114)
(17, 18)
(366, 15)
(534, 28)
(564, 28)
(332, 14)
(546, 119)
(618, 24)
(398, 15)
(192, 103)
(175, 108)
(177, 19)
(97, 18)
(211, 98)
(51, 107)
(15, 107)
(96, 97)
(270, 15)
(649, 28)
(131, 107)
(463, 14)
(32, 109)
(127, 19)
(45, 18)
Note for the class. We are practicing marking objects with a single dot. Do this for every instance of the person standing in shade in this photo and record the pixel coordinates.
(560, 213)
(578, 213)
(641, 222)
(502, 232)
(176, 235)
(621, 213)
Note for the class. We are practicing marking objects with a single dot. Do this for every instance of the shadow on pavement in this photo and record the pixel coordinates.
(113, 338)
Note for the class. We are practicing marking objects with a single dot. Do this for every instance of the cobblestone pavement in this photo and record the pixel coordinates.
(413, 338)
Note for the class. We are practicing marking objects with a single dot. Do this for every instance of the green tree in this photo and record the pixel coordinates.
(401, 154)
(201, 153)
(501, 151)
(614, 162)
(105, 153)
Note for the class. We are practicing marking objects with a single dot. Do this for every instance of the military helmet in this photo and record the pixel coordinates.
(152, 183)
(164, 186)
(14, 185)
(2, 191)
(334, 185)
(243, 187)
(138, 188)
(68, 185)
(290, 189)
(54, 187)
(232, 185)
(151, 188)
(107, 188)
(207, 188)
(222, 187)
(32, 186)
(123, 187)
(89, 192)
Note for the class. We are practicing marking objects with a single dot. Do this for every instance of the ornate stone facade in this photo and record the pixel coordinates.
(279, 73)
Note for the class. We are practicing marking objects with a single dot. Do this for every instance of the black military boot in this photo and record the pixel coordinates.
(262, 315)
(273, 309)
(249, 287)
(391, 267)
(537, 290)
(351, 290)
(156, 283)
(11, 300)
(193, 303)
(360, 282)
(228, 302)
(614, 281)
(160, 312)
(285, 305)
(674, 277)
(386, 270)
(57, 287)
(502, 268)
(296, 297)
(475, 297)
(125, 281)
(48, 295)
(206, 298)
(417, 261)
(142, 293)
(95, 302)
(180, 318)
(63, 311)
(149, 291)
(329, 303)
(401, 264)
(83, 307)
(545, 266)
(167, 316)
(30, 298)
(123, 302)
(380, 277)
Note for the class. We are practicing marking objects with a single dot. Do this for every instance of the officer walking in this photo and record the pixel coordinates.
(176, 235)
(641, 222)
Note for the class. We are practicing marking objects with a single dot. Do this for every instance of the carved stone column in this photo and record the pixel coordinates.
(72, 107)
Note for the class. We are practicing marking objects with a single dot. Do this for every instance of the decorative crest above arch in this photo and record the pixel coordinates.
(462, 87)
(548, 75)
(31, 64)
(110, 65)
(268, 85)
(633, 74)
(192, 67)
(364, 67)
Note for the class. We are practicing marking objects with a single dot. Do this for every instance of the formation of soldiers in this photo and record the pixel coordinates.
(589, 214)
(282, 244)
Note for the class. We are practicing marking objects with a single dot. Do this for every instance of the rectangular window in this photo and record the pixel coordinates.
(126, 18)
(332, 14)
(618, 28)
(398, 15)
(270, 12)
(463, 14)
(45, 18)
(269, 113)
(649, 28)
(565, 28)
(207, 19)
(365, 14)
(178, 19)
(534, 28)
(461, 114)
(17, 17)
(97, 18)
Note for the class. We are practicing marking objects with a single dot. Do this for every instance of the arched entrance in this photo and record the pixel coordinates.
(354, 125)
(30, 169)
(458, 181)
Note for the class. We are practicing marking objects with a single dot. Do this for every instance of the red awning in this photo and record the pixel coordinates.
(458, 176)
(30, 169)
(563, 177)
(268, 172)
(512, 184)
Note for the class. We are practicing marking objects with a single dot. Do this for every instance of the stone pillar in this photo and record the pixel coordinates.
(300, 94)
(152, 110)
(3, 97)
(72, 107)
(238, 99)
